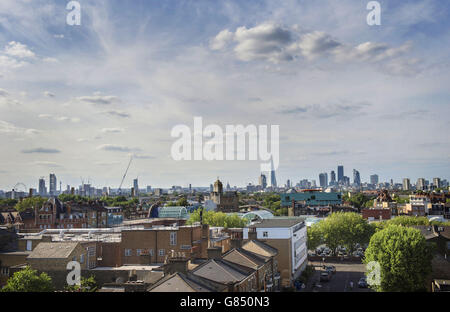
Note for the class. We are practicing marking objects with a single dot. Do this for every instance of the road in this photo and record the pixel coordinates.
(340, 281)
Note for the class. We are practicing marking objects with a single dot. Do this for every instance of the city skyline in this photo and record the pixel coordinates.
(78, 100)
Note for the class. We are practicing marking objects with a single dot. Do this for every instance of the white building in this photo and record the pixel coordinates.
(288, 235)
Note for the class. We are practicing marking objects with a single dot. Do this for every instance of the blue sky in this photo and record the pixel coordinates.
(84, 97)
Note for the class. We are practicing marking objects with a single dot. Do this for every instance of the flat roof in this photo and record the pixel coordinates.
(130, 268)
(278, 223)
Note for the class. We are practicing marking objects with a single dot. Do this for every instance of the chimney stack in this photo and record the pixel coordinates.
(176, 265)
(214, 253)
(252, 235)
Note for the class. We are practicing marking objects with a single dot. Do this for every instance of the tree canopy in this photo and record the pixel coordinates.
(404, 258)
(340, 229)
(29, 202)
(218, 219)
(87, 285)
(27, 280)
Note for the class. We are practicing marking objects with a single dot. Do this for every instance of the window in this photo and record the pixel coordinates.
(29, 245)
(139, 252)
(127, 252)
(82, 258)
(265, 234)
(161, 252)
(151, 252)
(173, 238)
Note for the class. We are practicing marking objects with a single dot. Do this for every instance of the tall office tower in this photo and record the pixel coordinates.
(228, 187)
(392, 182)
(288, 183)
(211, 188)
(273, 179)
(136, 187)
(323, 180)
(356, 177)
(420, 185)
(406, 184)
(149, 189)
(340, 173)
(263, 181)
(313, 184)
(42, 188)
(437, 182)
(374, 179)
(52, 186)
(333, 177)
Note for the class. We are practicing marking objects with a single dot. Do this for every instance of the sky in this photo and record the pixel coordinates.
(78, 101)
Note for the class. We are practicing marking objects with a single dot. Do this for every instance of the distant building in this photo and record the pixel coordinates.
(356, 178)
(263, 181)
(333, 177)
(406, 184)
(340, 174)
(226, 202)
(374, 179)
(323, 180)
(136, 187)
(420, 185)
(311, 198)
(53, 185)
(437, 182)
(42, 188)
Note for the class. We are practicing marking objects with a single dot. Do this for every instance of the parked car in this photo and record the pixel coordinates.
(331, 269)
(325, 277)
(362, 283)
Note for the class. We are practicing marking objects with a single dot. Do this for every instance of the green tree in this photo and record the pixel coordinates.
(409, 221)
(218, 219)
(87, 285)
(182, 202)
(314, 236)
(404, 258)
(27, 280)
(342, 229)
(29, 202)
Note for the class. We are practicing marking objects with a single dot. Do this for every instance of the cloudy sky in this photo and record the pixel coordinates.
(79, 100)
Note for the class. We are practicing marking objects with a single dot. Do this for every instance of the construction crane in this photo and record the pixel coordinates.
(125, 174)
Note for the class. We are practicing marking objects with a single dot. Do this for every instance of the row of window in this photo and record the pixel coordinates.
(144, 252)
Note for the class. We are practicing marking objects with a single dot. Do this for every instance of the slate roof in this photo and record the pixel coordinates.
(260, 248)
(245, 258)
(179, 282)
(53, 250)
(222, 271)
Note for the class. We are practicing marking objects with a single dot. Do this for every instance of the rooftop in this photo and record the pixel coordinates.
(53, 250)
(282, 222)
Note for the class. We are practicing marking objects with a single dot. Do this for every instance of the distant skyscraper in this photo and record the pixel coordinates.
(211, 188)
(136, 186)
(288, 183)
(340, 173)
(356, 177)
(406, 184)
(323, 180)
(42, 188)
(420, 185)
(374, 179)
(149, 189)
(52, 185)
(437, 182)
(263, 181)
(333, 177)
(273, 179)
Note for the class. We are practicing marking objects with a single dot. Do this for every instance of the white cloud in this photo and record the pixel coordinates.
(49, 94)
(9, 128)
(113, 130)
(116, 148)
(19, 50)
(99, 99)
(221, 40)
